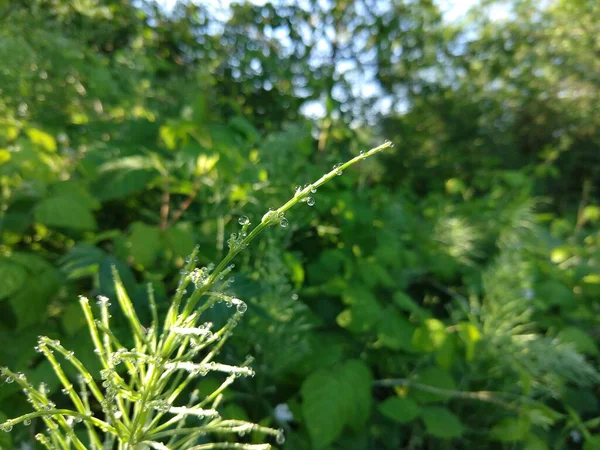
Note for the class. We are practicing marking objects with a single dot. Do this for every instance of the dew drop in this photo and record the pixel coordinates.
(27, 422)
(313, 190)
(280, 438)
(244, 221)
(337, 168)
(284, 222)
(389, 143)
(310, 201)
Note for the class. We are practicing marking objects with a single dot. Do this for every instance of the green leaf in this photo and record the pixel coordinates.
(13, 276)
(357, 376)
(335, 398)
(533, 442)
(322, 407)
(510, 429)
(434, 377)
(180, 239)
(144, 243)
(64, 212)
(30, 302)
(581, 341)
(470, 335)
(72, 319)
(364, 311)
(5, 438)
(400, 409)
(205, 163)
(553, 292)
(441, 422)
(168, 135)
(593, 443)
(405, 303)
(42, 139)
(117, 184)
(394, 331)
(4, 156)
(430, 336)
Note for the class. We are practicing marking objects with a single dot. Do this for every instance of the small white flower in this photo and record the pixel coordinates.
(283, 413)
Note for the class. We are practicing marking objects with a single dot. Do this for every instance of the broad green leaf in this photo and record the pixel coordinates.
(322, 407)
(76, 191)
(364, 311)
(593, 443)
(430, 336)
(405, 303)
(395, 331)
(441, 422)
(400, 409)
(64, 212)
(72, 319)
(30, 302)
(470, 335)
(510, 429)
(436, 378)
(581, 341)
(42, 139)
(444, 355)
(533, 442)
(357, 376)
(32, 262)
(143, 242)
(12, 278)
(180, 239)
(553, 292)
(335, 398)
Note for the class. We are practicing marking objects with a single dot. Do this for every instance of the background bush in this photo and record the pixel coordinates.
(443, 296)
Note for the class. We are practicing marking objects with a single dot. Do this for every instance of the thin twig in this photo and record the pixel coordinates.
(185, 204)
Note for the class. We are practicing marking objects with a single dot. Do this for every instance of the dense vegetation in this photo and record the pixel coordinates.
(442, 296)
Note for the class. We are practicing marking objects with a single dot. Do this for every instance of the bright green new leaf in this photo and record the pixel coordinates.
(42, 139)
(430, 336)
(205, 163)
(470, 335)
(4, 156)
(441, 422)
(399, 409)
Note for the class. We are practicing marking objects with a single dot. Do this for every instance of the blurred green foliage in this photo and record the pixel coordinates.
(444, 296)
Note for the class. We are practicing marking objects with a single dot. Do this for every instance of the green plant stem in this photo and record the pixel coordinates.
(270, 218)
